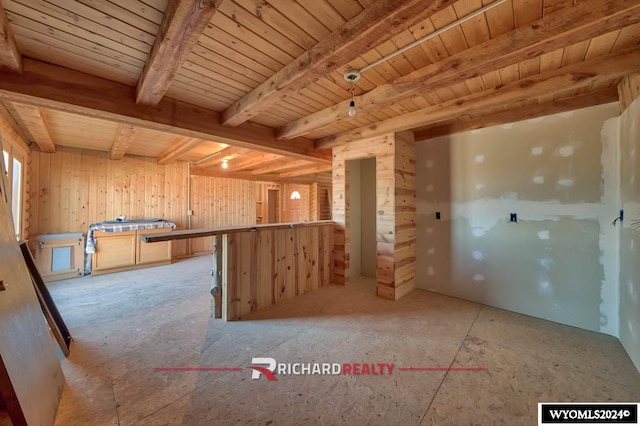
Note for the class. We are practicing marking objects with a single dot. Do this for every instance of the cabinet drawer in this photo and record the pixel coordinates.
(152, 252)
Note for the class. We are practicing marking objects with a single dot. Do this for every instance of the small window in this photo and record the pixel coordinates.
(16, 196)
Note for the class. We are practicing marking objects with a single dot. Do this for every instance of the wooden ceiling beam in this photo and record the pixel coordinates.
(378, 23)
(256, 159)
(183, 23)
(272, 177)
(8, 129)
(50, 86)
(570, 25)
(123, 140)
(180, 147)
(491, 118)
(575, 76)
(317, 168)
(34, 119)
(281, 166)
(227, 153)
(10, 57)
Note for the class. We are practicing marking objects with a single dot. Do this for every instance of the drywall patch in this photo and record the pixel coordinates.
(478, 232)
(537, 150)
(565, 182)
(480, 186)
(545, 288)
(478, 278)
(543, 235)
(431, 251)
(477, 255)
(479, 159)
(566, 151)
(538, 179)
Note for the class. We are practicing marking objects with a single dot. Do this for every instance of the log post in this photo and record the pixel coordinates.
(216, 276)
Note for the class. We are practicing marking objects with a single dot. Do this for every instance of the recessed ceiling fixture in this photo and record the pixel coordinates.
(225, 164)
(351, 76)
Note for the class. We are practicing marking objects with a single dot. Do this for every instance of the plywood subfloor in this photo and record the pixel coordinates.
(129, 323)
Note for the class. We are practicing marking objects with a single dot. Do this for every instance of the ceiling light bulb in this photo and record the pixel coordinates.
(352, 109)
(225, 164)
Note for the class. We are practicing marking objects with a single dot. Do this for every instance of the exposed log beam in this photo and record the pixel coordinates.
(272, 177)
(318, 168)
(227, 153)
(179, 148)
(281, 166)
(628, 90)
(10, 57)
(62, 89)
(8, 129)
(34, 119)
(379, 22)
(254, 160)
(575, 76)
(183, 23)
(518, 114)
(570, 25)
(123, 140)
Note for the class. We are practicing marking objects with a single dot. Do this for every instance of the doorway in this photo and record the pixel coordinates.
(362, 217)
(273, 205)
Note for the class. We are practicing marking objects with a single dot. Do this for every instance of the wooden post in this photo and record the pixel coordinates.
(216, 276)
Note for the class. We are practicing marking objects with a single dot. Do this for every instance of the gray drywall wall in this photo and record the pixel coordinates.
(630, 232)
(368, 213)
(559, 174)
(355, 217)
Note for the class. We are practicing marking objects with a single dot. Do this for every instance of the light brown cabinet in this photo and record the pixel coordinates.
(121, 251)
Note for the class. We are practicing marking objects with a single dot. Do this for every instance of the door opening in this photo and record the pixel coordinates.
(362, 217)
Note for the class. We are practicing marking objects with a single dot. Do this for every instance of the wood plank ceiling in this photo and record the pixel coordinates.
(259, 83)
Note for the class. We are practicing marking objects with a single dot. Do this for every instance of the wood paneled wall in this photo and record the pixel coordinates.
(265, 267)
(395, 208)
(220, 202)
(73, 188)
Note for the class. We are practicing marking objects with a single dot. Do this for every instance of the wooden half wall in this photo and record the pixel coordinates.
(395, 211)
(269, 266)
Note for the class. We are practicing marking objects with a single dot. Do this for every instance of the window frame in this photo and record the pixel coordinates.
(15, 152)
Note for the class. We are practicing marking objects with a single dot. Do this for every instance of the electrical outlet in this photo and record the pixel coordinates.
(621, 215)
(513, 217)
(437, 215)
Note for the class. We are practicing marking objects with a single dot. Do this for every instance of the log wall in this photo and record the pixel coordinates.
(395, 210)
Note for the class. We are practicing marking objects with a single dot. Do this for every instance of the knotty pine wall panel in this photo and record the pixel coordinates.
(73, 188)
(395, 211)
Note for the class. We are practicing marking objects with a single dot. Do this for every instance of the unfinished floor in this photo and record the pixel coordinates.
(127, 324)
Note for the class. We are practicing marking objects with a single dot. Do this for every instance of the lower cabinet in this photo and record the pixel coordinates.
(58, 256)
(121, 251)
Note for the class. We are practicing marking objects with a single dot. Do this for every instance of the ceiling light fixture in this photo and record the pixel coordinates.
(352, 76)
(225, 164)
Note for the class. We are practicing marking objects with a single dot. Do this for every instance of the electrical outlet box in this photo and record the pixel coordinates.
(513, 217)
(437, 215)
(189, 212)
(621, 215)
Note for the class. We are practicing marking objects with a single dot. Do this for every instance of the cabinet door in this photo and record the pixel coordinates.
(153, 252)
(114, 250)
